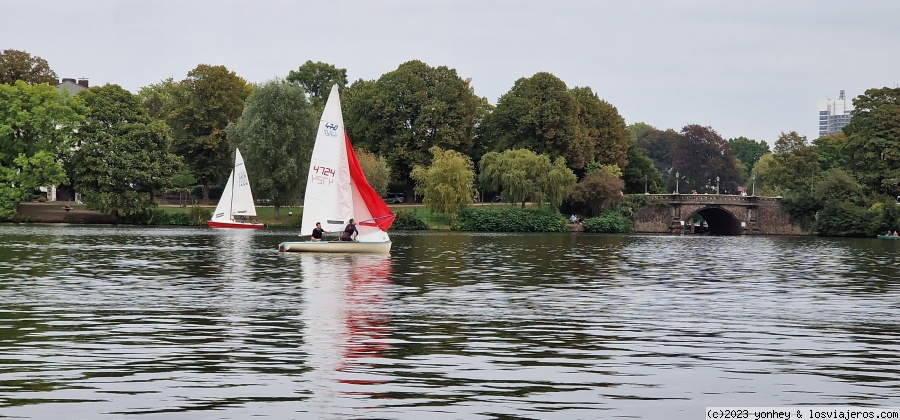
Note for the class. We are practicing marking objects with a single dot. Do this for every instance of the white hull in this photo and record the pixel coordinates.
(336, 246)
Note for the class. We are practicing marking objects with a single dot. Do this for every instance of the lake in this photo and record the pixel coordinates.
(102, 322)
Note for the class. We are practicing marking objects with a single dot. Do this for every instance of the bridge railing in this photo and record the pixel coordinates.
(709, 198)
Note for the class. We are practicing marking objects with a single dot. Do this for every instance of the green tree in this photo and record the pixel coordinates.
(747, 152)
(658, 145)
(832, 150)
(447, 184)
(522, 175)
(37, 133)
(606, 139)
(704, 160)
(409, 110)
(538, 114)
(209, 98)
(873, 140)
(125, 158)
(376, 169)
(641, 175)
(276, 134)
(317, 79)
(19, 65)
(795, 166)
(159, 99)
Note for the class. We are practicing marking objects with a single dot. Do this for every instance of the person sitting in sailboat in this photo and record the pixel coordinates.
(317, 232)
(349, 231)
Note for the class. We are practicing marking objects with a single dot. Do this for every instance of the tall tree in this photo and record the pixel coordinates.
(641, 175)
(795, 164)
(748, 151)
(317, 79)
(832, 150)
(538, 114)
(159, 99)
(704, 160)
(606, 138)
(20, 65)
(447, 183)
(276, 134)
(37, 134)
(873, 140)
(658, 145)
(125, 158)
(376, 169)
(409, 110)
(209, 98)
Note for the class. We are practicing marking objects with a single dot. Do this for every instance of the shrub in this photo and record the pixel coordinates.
(508, 219)
(608, 222)
(409, 220)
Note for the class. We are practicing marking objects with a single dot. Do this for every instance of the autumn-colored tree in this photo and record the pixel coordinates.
(20, 65)
(704, 161)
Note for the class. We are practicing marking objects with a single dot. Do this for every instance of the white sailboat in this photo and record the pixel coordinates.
(236, 206)
(337, 191)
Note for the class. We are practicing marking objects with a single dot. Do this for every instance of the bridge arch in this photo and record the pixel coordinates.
(719, 221)
(724, 214)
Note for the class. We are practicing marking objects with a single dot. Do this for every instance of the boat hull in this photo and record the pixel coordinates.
(888, 237)
(336, 246)
(235, 225)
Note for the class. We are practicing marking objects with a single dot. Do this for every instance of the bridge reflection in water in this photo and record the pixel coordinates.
(724, 214)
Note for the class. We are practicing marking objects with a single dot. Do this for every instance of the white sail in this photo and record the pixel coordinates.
(237, 198)
(328, 198)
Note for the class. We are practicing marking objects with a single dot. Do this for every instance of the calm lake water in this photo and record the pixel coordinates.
(191, 323)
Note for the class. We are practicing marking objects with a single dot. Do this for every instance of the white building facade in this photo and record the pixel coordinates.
(834, 115)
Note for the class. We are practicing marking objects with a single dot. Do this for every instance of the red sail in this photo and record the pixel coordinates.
(382, 216)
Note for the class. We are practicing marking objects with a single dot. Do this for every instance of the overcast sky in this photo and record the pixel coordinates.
(744, 68)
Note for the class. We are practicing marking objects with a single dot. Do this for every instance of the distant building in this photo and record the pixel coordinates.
(72, 86)
(834, 115)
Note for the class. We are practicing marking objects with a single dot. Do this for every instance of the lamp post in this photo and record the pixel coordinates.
(753, 178)
(717, 185)
(677, 175)
(645, 184)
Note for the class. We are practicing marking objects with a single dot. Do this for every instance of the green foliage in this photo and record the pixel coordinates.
(317, 79)
(658, 144)
(839, 218)
(508, 219)
(609, 221)
(522, 175)
(832, 151)
(447, 184)
(206, 101)
(409, 220)
(409, 110)
(540, 114)
(275, 134)
(605, 136)
(18, 65)
(748, 152)
(376, 169)
(641, 175)
(889, 215)
(793, 167)
(873, 140)
(802, 207)
(124, 183)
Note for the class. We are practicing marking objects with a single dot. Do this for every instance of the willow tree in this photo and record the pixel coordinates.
(276, 133)
(446, 185)
(521, 175)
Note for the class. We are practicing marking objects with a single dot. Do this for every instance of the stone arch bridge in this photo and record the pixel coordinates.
(724, 214)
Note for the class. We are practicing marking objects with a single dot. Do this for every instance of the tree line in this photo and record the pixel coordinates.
(418, 128)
